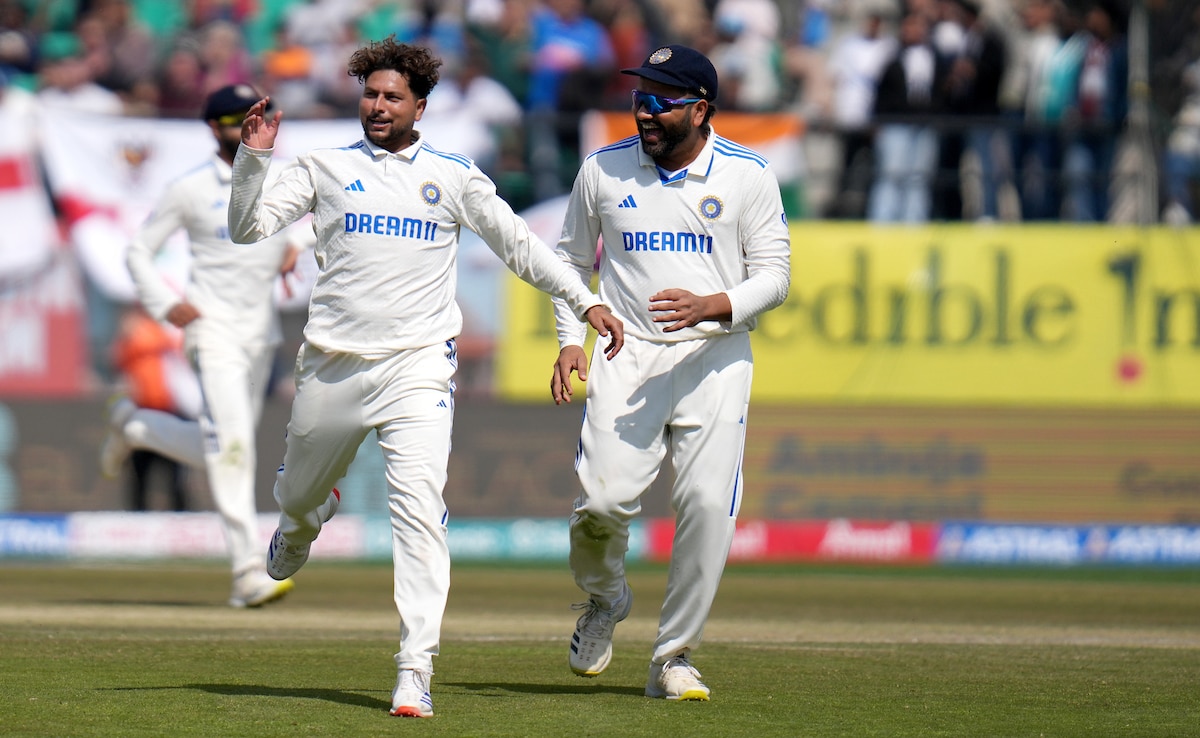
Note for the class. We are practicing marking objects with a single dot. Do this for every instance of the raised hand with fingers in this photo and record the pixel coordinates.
(259, 129)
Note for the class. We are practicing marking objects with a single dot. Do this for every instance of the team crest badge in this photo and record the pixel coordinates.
(711, 207)
(431, 193)
(660, 56)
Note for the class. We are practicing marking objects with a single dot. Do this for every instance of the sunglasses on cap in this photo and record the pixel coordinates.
(233, 119)
(657, 104)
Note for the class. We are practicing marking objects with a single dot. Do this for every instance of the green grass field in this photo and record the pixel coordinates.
(151, 650)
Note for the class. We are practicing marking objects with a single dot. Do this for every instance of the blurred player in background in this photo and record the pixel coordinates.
(695, 247)
(379, 348)
(231, 331)
(155, 376)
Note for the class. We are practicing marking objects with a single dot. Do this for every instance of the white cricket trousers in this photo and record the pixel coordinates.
(691, 397)
(233, 382)
(407, 399)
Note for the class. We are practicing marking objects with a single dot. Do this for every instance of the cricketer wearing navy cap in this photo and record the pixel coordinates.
(695, 246)
(680, 66)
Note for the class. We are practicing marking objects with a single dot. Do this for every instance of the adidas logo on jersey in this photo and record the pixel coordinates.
(356, 186)
(628, 203)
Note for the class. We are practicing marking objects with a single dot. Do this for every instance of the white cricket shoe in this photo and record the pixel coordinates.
(591, 644)
(676, 680)
(254, 589)
(411, 697)
(114, 450)
(284, 558)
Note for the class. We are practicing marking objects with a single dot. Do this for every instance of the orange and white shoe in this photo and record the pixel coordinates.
(411, 697)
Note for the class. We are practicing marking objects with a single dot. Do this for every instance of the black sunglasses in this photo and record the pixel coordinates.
(657, 104)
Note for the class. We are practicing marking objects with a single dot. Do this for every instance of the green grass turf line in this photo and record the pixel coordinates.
(151, 650)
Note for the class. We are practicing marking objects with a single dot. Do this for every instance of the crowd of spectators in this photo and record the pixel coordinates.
(938, 109)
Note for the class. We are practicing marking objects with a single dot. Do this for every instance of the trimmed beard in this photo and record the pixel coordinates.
(672, 136)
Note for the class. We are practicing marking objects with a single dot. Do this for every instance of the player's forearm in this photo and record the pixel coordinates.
(765, 289)
(571, 329)
(153, 291)
(250, 220)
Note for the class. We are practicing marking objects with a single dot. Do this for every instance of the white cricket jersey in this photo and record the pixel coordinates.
(717, 226)
(230, 284)
(387, 228)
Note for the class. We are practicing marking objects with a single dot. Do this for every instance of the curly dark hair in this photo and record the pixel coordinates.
(417, 65)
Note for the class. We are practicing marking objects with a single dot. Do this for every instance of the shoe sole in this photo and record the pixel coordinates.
(689, 695)
(409, 712)
(277, 593)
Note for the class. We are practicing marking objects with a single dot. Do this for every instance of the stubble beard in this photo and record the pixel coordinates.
(229, 148)
(389, 140)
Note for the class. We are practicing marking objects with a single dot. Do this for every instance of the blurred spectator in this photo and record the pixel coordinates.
(747, 65)
(181, 81)
(572, 59)
(759, 18)
(501, 29)
(683, 20)
(855, 66)
(948, 36)
(906, 144)
(486, 116)
(66, 79)
(973, 96)
(436, 25)
(630, 31)
(130, 48)
(805, 78)
(50, 16)
(286, 71)
(1036, 157)
(1098, 116)
(18, 43)
(224, 56)
(337, 93)
(315, 22)
(1181, 159)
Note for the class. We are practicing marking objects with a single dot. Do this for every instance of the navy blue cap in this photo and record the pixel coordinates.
(680, 66)
(230, 100)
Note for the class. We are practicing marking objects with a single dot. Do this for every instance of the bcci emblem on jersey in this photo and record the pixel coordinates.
(431, 193)
(711, 207)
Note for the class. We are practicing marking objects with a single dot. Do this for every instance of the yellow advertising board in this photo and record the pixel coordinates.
(1073, 315)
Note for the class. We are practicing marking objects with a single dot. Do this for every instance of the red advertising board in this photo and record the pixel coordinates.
(895, 542)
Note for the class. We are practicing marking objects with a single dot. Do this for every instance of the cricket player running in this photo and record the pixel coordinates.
(379, 348)
(231, 331)
(695, 247)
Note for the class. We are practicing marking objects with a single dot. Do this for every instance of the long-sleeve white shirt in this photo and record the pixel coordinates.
(387, 228)
(718, 226)
(229, 284)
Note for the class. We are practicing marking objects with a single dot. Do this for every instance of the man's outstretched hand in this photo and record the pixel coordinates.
(259, 129)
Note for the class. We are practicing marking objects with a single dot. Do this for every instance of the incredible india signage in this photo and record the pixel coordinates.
(1009, 315)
